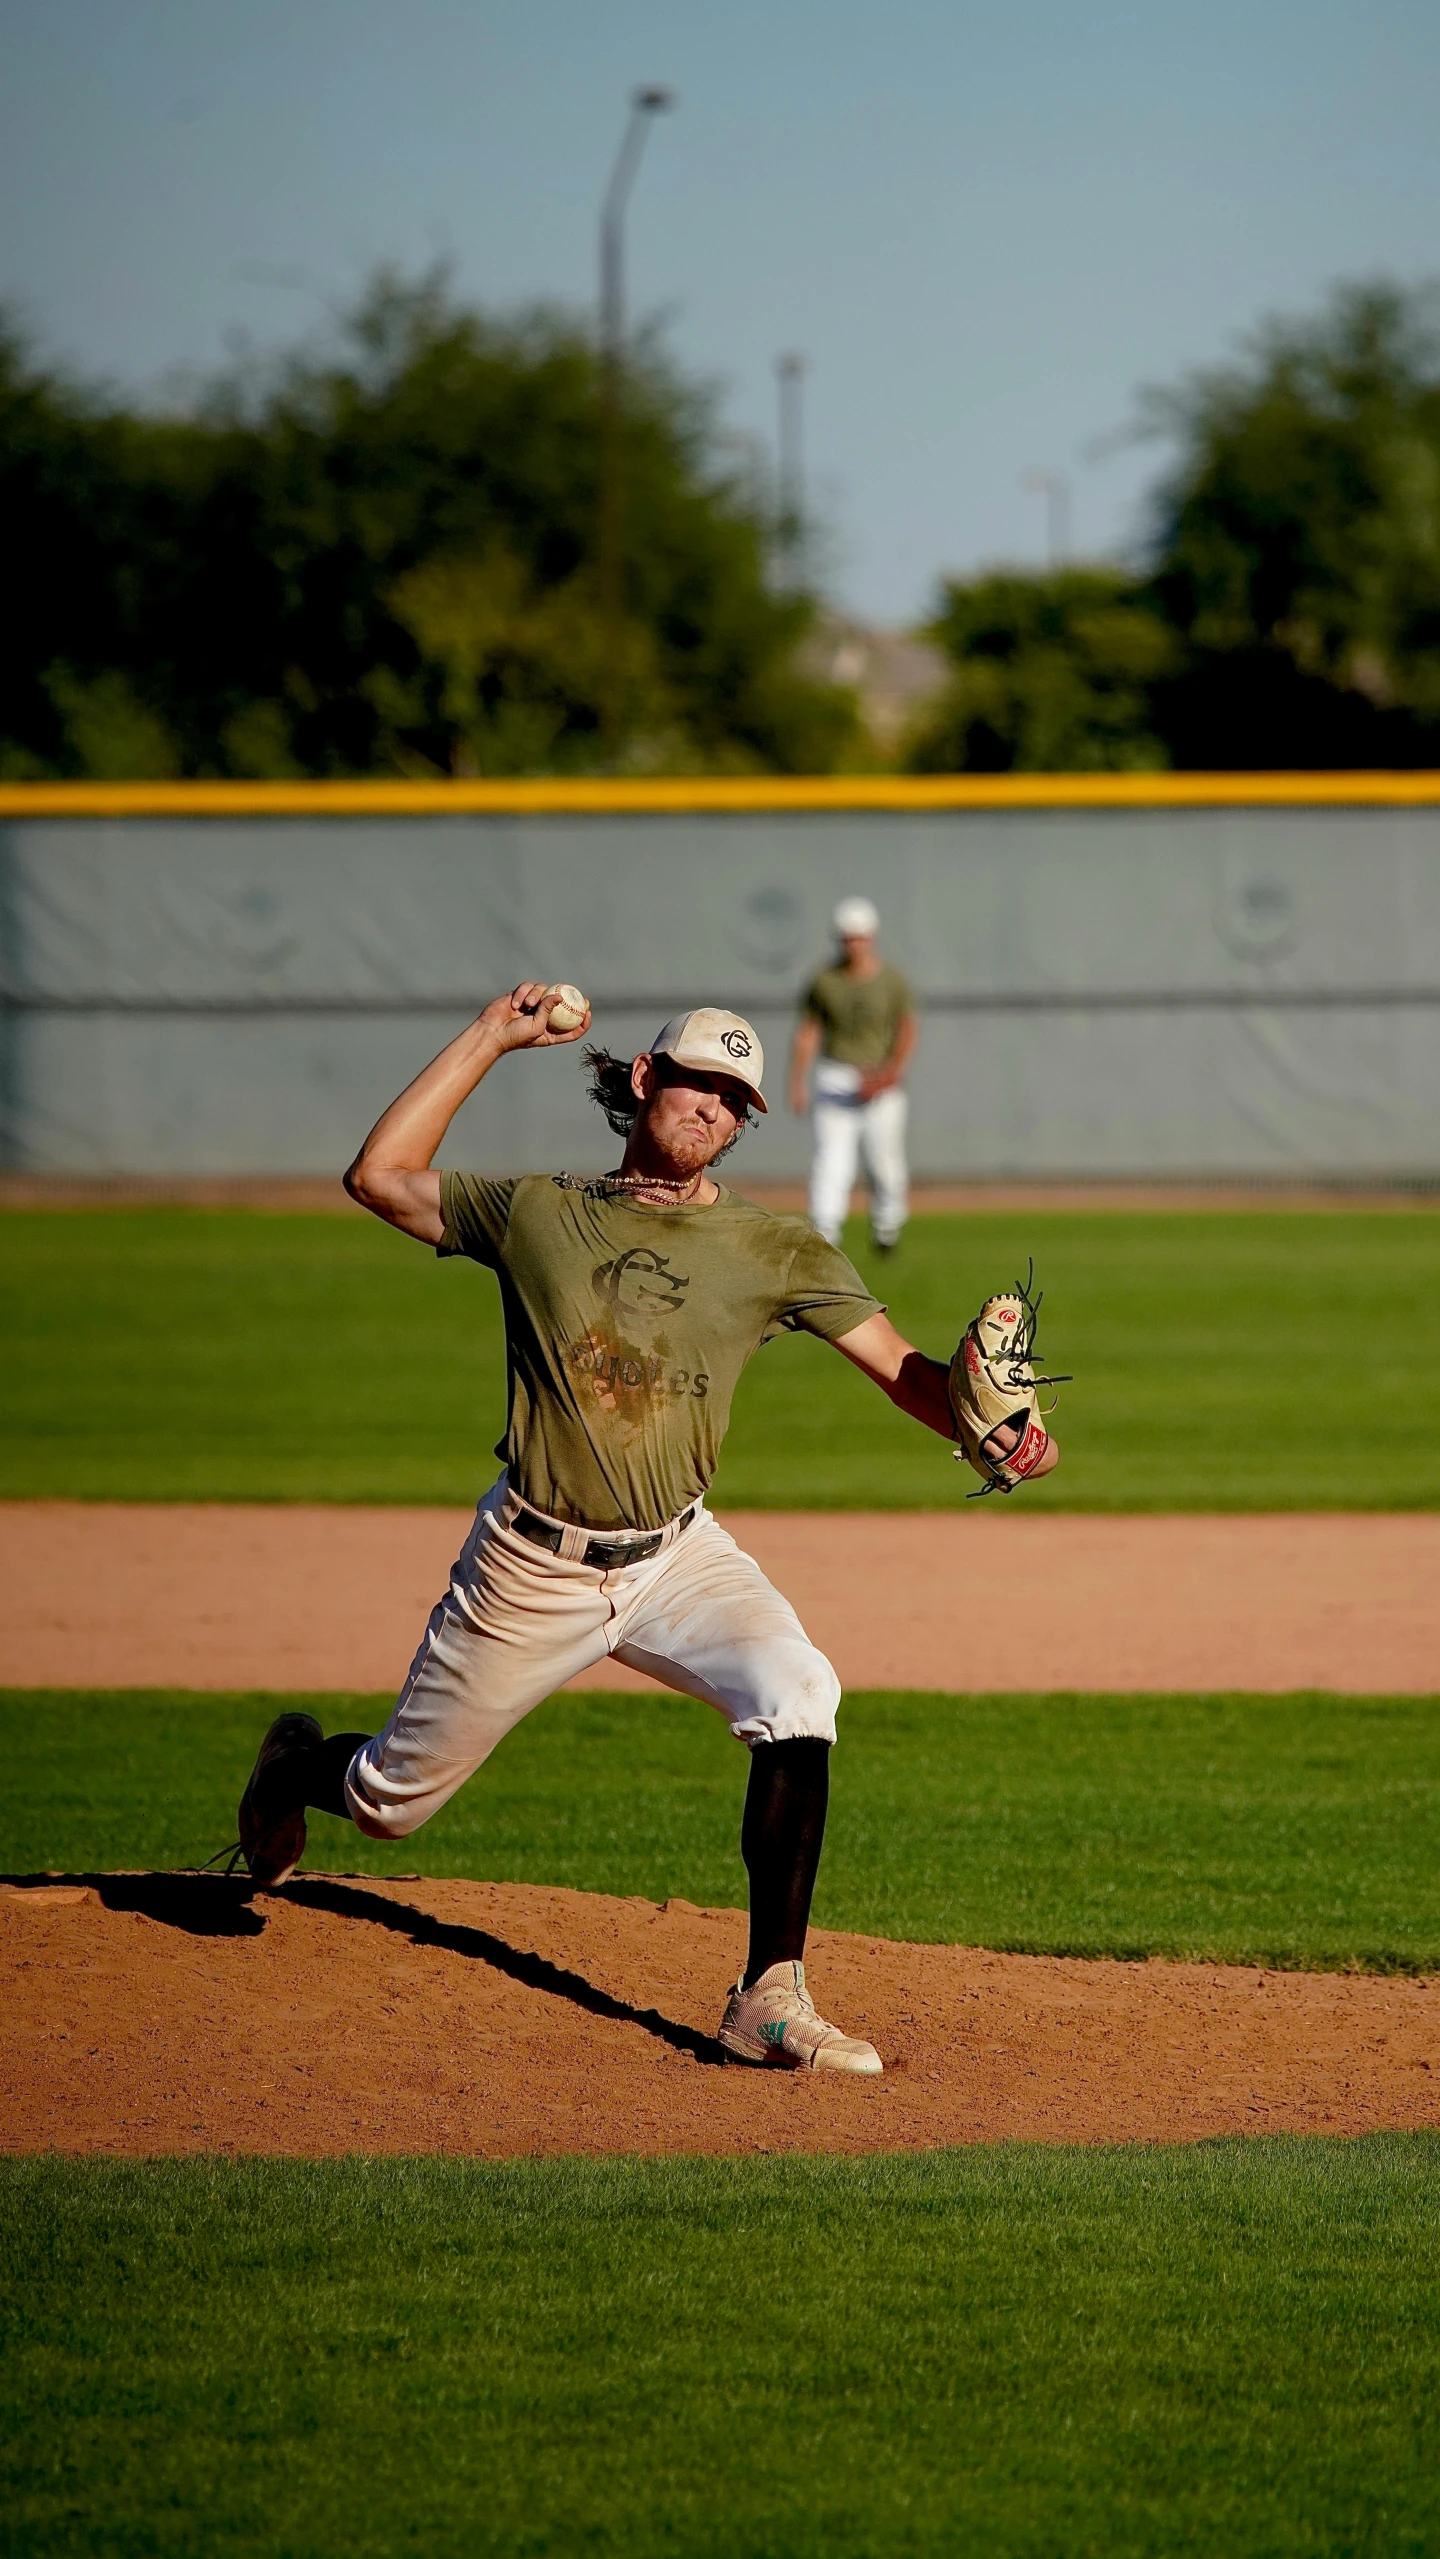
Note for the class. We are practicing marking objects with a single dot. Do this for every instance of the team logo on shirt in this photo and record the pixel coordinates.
(641, 1282)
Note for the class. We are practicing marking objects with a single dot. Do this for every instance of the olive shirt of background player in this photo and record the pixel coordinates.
(859, 1018)
(627, 1327)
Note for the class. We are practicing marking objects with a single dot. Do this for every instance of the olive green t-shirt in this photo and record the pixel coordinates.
(627, 1327)
(860, 1017)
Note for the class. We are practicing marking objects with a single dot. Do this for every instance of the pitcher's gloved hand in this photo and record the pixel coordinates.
(993, 1394)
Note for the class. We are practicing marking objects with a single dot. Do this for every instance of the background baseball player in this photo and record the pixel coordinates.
(632, 1303)
(856, 1037)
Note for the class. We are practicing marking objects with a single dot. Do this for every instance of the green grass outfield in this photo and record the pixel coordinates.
(1227, 2350)
(1224, 1362)
(1302, 1831)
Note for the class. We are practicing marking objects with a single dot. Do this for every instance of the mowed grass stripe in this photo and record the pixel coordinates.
(1225, 2350)
(1220, 1360)
(1299, 1831)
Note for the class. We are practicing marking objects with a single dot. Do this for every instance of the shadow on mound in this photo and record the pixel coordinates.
(350, 1901)
(222, 1906)
(201, 1905)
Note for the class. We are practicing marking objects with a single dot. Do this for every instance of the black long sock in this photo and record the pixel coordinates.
(780, 1840)
(325, 1779)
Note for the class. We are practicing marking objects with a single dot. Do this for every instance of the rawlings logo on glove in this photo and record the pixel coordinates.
(993, 1391)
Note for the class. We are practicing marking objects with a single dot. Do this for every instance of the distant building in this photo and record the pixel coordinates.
(894, 675)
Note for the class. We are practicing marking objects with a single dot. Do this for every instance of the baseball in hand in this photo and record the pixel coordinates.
(565, 1009)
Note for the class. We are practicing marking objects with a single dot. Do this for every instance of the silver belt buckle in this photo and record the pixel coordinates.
(609, 1555)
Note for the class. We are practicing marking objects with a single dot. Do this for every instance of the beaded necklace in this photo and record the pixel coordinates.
(680, 1193)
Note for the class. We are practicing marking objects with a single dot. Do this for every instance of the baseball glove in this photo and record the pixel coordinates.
(993, 1382)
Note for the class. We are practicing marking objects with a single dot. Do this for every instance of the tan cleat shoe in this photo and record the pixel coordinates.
(775, 2021)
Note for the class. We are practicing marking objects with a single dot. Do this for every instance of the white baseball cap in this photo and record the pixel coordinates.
(854, 915)
(717, 1042)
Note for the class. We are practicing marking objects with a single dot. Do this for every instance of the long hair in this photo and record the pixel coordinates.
(611, 1090)
(613, 1094)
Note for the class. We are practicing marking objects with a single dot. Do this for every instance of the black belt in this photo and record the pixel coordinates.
(603, 1554)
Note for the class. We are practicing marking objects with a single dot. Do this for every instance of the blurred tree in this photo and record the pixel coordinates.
(1291, 616)
(1053, 674)
(1298, 543)
(385, 563)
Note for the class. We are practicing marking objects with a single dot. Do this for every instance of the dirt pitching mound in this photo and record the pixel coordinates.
(163, 2013)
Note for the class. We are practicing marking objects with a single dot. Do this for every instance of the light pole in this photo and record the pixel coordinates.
(644, 103)
(790, 526)
(1055, 490)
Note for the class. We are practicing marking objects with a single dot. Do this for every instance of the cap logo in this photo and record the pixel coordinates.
(735, 1042)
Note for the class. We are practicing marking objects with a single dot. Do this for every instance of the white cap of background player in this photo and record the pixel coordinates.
(854, 915)
(719, 1043)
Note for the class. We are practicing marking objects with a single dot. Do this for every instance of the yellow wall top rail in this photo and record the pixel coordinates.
(715, 795)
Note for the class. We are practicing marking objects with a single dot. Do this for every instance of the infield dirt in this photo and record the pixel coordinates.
(164, 2013)
(300, 1596)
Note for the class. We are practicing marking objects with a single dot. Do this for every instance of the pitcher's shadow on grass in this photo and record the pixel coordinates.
(222, 1906)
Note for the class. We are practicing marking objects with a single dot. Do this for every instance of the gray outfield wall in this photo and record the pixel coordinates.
(1236, 991)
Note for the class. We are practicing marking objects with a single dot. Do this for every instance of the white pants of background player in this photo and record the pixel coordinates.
(848, 1134)
(517, 1622)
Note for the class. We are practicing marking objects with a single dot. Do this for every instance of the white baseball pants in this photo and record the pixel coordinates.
(517, 1622)
(849, 1134)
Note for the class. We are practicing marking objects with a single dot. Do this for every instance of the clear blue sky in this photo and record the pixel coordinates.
(985, 228)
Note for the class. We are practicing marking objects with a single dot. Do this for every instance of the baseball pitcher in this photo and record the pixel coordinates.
(632, 1303)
